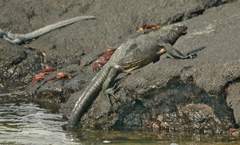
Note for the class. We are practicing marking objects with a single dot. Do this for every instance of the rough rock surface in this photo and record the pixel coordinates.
(115, 21)
(17, 66)
(199, 95)
(168, 87)
(18, 63)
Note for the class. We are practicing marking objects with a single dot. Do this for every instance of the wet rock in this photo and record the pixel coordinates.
(233, 99)
(14, 96)
(178, 106)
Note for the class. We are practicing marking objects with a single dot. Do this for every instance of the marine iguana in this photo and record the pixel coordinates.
(134, 53)
(23, 38)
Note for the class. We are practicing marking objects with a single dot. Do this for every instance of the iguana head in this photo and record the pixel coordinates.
(174, 31)
(179, 28)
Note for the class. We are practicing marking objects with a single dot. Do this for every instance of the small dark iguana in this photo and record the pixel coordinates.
(134, 53)
(23, 38)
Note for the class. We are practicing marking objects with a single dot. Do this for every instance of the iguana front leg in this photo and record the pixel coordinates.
(174, 53)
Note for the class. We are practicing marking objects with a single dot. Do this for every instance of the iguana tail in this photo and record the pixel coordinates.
(21, 38)
(57, 25)
(87, 97)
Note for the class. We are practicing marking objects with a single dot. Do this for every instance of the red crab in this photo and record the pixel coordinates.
(59, 75)
(38, 77)
(233, 132)
(42, 74)
(103, 59)
(62, 75)
(148, 27)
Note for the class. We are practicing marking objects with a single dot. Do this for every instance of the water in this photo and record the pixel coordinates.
(28, 124)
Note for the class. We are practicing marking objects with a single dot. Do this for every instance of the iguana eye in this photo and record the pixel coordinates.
(133, 46)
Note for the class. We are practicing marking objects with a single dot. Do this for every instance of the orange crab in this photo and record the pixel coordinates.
(103, 59)
(62, 75)
(147, 27)
(233, 132)
(42, 74)
(59, 75)
(38, 77)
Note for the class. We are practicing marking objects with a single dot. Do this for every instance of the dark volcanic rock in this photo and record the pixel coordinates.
(115, 21)
(170, 95)
(55, 91)
(18, 64)
(168, 87)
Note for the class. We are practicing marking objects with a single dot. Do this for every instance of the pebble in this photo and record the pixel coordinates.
(173, 144)
(106, 141)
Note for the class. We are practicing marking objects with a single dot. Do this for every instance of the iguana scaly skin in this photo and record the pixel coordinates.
(22, 38)
(135, 53)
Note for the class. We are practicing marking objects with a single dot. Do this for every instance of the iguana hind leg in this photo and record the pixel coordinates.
(111, 76)
(109, 85)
